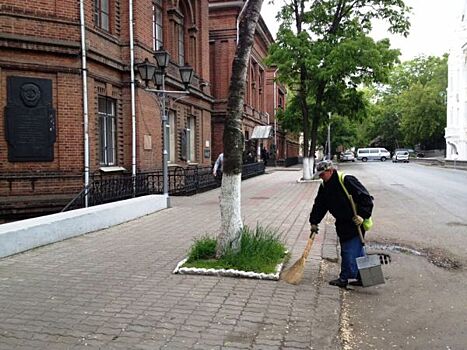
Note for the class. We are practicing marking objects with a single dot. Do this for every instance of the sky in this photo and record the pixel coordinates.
(433, 23)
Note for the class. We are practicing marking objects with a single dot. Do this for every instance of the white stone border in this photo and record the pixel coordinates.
(227, 273)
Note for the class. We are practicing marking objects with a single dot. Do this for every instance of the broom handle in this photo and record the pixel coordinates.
(309, 243)
(354, 209)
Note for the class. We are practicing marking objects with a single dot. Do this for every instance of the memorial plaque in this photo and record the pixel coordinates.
(30, 120)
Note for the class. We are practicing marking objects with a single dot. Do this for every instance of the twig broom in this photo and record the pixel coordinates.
(294, 274)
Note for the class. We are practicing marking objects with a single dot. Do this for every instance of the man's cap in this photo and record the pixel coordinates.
(322, 166)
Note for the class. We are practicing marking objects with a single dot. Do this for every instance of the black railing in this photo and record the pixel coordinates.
(182, 182)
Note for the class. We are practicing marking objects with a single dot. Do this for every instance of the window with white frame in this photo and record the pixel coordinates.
(171, 132)
(101, 14)
(157, 39)
(191, 139)
(107, 130)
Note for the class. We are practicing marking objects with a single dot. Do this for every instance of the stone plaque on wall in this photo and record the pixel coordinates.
(29, 120)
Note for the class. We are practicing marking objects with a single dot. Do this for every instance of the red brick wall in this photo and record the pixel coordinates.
(45, 43)
(258, 95)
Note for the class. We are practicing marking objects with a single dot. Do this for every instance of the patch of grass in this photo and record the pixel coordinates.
(261, 250)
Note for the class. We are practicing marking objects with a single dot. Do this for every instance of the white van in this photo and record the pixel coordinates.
(365, 154)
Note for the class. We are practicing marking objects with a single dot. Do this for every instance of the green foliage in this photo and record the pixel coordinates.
(203, 248)
(329, 54)
(261, 250)
(343, 132)
(411, 109)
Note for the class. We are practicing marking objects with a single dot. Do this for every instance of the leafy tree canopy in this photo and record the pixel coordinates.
(411, 109)
(329, 54)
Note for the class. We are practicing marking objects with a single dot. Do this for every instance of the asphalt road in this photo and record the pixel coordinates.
(421, 220)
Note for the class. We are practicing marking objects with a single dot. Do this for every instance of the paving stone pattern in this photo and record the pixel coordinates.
(114, 289)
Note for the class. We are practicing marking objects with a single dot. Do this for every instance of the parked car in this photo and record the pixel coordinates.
(348, 157)
(400, 156)
(373, 153)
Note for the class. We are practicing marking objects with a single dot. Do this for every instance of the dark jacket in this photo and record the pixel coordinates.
(331, 197)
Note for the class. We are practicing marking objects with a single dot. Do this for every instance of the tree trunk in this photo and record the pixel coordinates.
(315, 121)
(299, 9)
(231, 220)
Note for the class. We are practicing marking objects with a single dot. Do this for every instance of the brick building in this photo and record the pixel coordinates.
(42, 146)
(263, 96)
(72, 112)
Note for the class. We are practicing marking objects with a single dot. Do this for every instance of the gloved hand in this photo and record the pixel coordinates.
(314, 229)
(357, 220)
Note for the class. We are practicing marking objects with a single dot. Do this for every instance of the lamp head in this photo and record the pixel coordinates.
(146, 70)
(186, 73)
(162, 57)
(158, 78)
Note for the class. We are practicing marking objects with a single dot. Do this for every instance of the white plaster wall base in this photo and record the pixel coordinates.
(19, 236)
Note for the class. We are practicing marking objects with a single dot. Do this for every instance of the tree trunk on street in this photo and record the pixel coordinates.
(230, 198)
(308, 162)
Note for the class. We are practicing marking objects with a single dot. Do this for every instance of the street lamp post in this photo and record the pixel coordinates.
(156, 74)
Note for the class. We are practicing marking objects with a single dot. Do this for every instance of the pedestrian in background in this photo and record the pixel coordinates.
(218, 166)
(332, 197)
(265, 156)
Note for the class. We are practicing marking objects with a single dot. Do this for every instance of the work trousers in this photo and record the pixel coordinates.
(350, 250)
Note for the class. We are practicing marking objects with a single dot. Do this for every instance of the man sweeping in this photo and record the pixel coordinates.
(332, 197)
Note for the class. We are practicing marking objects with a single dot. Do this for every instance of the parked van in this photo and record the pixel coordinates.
(365, 154)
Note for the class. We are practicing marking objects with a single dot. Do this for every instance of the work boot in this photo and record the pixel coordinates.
(357, 283)
(338, 282)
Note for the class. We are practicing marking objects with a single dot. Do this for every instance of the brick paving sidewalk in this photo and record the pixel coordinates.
(114, 289)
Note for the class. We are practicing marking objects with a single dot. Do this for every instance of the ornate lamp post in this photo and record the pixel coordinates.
(157, 74)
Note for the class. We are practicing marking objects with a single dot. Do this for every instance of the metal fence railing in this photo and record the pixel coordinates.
(183, 181)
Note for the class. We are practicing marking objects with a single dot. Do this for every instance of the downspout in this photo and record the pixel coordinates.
(85, 103)
(133, 99)
(275, 110)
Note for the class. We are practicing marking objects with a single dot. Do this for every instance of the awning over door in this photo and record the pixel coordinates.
(261, 132)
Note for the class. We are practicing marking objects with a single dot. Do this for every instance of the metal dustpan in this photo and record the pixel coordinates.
(369, 267)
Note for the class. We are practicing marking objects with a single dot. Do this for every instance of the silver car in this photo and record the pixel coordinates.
(400, 156)
(348, 157)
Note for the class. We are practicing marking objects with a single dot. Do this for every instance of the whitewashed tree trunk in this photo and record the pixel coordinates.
(312, 167)
(306, 168)
(231, 220)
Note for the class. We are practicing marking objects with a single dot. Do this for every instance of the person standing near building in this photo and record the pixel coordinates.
(332, 197)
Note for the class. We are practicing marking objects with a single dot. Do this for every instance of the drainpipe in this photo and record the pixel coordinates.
(85, 102)
(133, 99)
(240, 15)
(275, 110)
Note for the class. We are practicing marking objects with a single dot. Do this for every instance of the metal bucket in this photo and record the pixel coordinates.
(369, 267)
